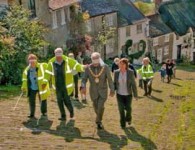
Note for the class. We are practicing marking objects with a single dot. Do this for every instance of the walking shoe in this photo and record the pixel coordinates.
(84, 101)
(62, 119)
(31, 116)
(71, 115)
(100, 126)
(129, 123)
(145, 94)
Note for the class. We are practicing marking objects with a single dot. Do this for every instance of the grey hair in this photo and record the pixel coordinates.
(95, 54)
(58, 50)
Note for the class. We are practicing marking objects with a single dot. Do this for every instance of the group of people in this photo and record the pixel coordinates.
(168, 69)
(59, 73)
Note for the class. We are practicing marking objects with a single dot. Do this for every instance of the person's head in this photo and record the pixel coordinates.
(79, 53)
(58, 54)
(123, 64)
(168, 61)
(116, 60)
(95, 58)
(71, 55)
(32, 60)
(146, 61)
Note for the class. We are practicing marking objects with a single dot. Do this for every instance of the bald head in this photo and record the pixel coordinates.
(95, 57)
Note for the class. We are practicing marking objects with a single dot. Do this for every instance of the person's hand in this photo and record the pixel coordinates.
(111, 94)
(85, 66)
(83, 90)
(43, 86)
(23, 89)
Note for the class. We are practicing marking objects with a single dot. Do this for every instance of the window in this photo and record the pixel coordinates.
(32, 8)
(128, 31)
(88, 25)
(177, 37)
(54, 20)
(166, 50)
(166, 38)
(155, 41)
(139, 28)
(110, 20)
(110, 46)
(67, 11)
(141, 46)
(63, 17)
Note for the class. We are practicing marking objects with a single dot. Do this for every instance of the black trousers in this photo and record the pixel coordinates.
(124, 106)
(32, 103)
(76, 90)
(64, 99)
(147, 86)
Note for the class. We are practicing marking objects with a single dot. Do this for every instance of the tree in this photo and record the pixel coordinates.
(104, 35)
(20, 37)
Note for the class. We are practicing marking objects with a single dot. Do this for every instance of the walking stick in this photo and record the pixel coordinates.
(18, 101)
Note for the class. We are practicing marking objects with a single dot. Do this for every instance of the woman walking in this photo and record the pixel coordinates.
(125, 85)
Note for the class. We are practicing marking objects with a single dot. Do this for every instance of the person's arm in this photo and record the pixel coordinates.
(48, 73)
(133, 84)
(24, 81)
(74, 65)
(110, 81)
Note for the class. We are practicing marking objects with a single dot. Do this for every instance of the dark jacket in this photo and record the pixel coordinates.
(131, 84)
(134, 71)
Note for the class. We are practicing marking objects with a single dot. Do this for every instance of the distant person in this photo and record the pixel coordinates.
(115, 64)
(169, 70)
(174, 68)
(163, 72)
(76, 80)
(147, 74)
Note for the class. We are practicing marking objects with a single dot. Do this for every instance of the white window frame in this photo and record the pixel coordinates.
(139, 30)
(63, 17)
(167, 38)
(166, 50)
(54, 20)
(88, 25)
(128, 31)
(155, 41)
(110, 20)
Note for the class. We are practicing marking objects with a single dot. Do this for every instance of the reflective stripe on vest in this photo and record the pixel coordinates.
(43, 92)
(146, 71)
(74, 68)
(68, 67)
(70, 85)
(42, 72)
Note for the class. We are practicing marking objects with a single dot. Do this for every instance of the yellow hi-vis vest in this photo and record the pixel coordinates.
(146, 72)
(70, 64)
(44, 93)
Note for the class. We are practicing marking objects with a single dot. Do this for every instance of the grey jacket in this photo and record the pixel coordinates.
(98, 90)
(131, 84)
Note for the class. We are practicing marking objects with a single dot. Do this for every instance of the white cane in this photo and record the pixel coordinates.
(18, 101)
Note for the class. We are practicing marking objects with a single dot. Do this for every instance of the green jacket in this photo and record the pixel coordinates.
(41, 67)
(146, 72)
(70, 64)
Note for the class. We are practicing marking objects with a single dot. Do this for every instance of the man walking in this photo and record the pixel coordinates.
(98, 74)
(59, 72)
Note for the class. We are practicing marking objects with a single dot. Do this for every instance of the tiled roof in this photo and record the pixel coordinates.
(56, 4)
(128, 13)
(157, 27)
(97, 7)
(178, 15)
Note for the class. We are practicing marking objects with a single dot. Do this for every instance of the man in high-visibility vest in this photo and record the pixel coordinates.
(147, 74)
(32, 83)
(59, 72)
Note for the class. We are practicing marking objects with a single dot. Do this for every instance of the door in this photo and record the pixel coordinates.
(193, 57)
(178, 52)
